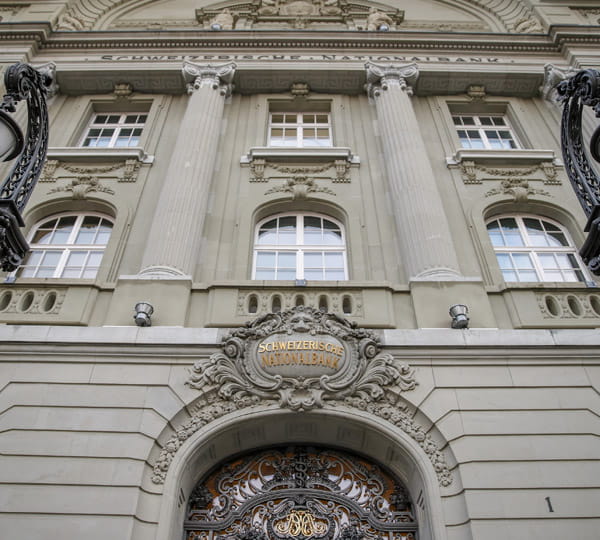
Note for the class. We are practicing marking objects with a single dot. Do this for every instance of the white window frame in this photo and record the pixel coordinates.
(300, 126)
(299, 248)
(65, 249)
(117, 126)
(535, 251)
(481, 130)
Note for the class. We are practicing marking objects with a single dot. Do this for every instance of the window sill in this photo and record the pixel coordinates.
(278, 153)
(82, 154)
(496, 157)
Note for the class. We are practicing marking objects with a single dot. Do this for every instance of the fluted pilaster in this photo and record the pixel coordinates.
(175, 237)
(426, 246)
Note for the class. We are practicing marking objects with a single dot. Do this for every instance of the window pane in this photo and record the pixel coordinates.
(313, 260)
(314, 274)
(287, 231)
(286, 260)
(87, 232)
(335, 275)
(277, 119)
(522, 260)
(264, 274)
(286, 274)
(265, 259)
(485, 120)
(511, 233)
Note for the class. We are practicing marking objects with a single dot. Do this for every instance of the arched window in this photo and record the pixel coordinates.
(67, 246)
(532, 249)
(300, 246)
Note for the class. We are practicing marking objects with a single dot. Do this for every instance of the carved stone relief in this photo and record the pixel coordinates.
(32, 301)
(299, 14)
(299, 187)
(85, 179)
(82, 186)
(518, 188)
(301, 359)
(475, 173)
(337, 171)
(569, 305)
(348, 302)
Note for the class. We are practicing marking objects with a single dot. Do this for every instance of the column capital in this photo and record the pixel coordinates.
(381, 76)
(552, 76)
(217, 76)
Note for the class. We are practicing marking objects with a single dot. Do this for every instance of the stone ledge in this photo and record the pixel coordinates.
(86, 154)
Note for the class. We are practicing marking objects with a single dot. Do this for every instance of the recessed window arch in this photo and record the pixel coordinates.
(530, 248)
(300, 492)
(67, 245)
(300, 246)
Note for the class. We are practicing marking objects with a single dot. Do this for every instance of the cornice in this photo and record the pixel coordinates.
(48, 39)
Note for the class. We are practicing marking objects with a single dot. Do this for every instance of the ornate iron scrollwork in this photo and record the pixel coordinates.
(22, 82)
(583, 89)
(299, 493)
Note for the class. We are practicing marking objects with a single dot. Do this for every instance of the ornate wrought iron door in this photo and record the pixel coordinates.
(299, 493)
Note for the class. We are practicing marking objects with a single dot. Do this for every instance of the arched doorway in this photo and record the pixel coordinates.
(300, 492)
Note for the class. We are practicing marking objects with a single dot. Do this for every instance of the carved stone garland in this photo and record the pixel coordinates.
(301, 359)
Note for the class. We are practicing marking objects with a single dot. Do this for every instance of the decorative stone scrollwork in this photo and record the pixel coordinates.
(218, 77)
(300, 358)
(82, 186)
(475, 173)
(380, 77)
(300, 187)
(86, 179)
(518, 188)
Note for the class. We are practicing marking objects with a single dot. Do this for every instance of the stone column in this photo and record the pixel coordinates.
(426, 246)
(175, 236)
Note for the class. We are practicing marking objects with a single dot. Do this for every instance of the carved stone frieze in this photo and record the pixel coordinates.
(80, 187)
(87, 178)
(15, 300)
(300, 14)
(263, 171)
(347, 302)
(300, 187)
(475, 173)
(569, 305)
(300, 358)
(518, 188)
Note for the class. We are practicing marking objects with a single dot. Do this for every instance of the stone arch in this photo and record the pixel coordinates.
(512, 15)
(341, 427)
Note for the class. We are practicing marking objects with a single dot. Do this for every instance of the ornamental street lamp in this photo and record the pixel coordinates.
(22, 82)
(583, 89)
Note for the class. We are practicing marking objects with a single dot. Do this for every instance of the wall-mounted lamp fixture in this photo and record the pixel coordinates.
(460, 316)
(383, 28)
(143, 312)
(216, 26)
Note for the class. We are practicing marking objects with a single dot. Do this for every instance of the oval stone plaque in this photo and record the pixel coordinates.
(300, 355)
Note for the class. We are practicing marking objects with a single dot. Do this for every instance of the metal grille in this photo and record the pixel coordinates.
(300, 493)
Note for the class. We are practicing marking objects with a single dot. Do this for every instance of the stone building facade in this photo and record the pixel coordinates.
(301, 189)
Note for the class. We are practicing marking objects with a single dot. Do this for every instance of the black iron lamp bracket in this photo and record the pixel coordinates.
(22, 83)
(583, 90)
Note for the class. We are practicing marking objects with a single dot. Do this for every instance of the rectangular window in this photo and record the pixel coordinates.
(300, 130)
(491, 132)
(108, 130)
